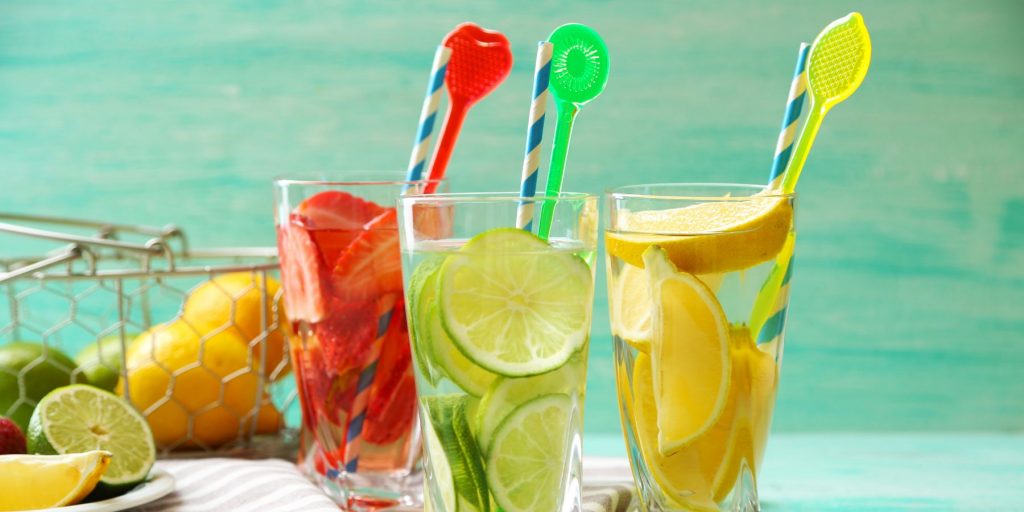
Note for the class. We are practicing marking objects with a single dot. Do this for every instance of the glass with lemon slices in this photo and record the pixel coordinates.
(698, 278)
(500, 323)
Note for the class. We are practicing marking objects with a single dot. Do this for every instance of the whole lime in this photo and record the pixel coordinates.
(100, 361)
(28, 371)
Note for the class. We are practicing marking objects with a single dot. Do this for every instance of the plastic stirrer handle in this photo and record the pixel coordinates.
(559, 152)
(803, 147)
(449, 134)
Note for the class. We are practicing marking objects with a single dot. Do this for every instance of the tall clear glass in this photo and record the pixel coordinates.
(500, 323)
(698, 286)
(342, 280)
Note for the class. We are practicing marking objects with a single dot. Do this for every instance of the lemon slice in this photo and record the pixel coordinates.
(630, 306)
(690, 353)
(706, 238)
(34, 482)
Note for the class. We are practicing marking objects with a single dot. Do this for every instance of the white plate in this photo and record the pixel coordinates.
(160, 484)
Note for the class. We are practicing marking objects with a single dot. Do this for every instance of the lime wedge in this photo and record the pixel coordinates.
(461, 457)
(80, 418)
(513, 304)
(506, 394)
(525, 467)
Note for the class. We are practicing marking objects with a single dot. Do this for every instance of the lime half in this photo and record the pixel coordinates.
(79, 418)
(529, 454)
(515, 305)
(454, 455)
(463, 372)
(506, 394)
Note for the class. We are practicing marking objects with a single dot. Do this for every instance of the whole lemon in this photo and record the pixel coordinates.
(235, 301)
(192, 391)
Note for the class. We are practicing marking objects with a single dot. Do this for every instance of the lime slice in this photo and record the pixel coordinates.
(33, 482)
(79, 418)
(526, 464)
(438, 471)
(468, 376)
(513, 304)
(506, 394)
(432, 342)
(421, 293)
(455, 444)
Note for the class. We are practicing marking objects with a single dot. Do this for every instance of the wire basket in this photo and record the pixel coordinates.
(196, 340)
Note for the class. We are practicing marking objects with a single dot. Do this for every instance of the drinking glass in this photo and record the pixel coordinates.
(341, 274)
(698, 285)
(500, 323)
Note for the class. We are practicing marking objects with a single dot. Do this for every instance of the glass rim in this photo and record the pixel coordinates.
(492, 197)
(623, 192)
(372, 177)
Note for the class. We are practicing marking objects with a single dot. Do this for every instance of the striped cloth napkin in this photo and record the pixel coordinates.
(214, 485)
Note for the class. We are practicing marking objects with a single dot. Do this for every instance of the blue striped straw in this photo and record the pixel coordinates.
(354, 434)
(534, 134)
(797, 92)
(428, 115)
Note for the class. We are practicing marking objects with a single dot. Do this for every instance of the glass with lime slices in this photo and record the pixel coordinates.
(698, 278)
(500, 324)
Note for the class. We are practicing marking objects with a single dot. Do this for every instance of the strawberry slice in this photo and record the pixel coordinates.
(335, 219)
(334, 209)
(301, 271)
(347, 334)
(391, 411)
(372, 265)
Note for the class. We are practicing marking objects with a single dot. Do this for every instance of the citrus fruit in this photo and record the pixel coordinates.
(100, 361)
(681, 477)
(193, 392)
(80, 418)
(421, 294)
(506, 394)
(454, 457)
(527, 459)
(706, 470)
(514, 305)
(33, 482)
(268, 419)
(631, 306)
(28, 371)
(462, 371)
(235, 302)
(706, 238)
(689, 350)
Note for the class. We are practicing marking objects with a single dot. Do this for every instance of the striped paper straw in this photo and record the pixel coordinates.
(534, 134)
(428, 115)
(794, 105)
(354, 435)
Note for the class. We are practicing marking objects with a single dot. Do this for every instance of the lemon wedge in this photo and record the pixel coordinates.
(34, 482)
(706, 238)
(690, 353)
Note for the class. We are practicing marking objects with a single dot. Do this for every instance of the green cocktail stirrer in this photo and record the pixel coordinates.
(579, 72)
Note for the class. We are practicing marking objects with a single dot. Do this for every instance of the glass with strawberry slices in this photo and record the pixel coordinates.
(342, 278)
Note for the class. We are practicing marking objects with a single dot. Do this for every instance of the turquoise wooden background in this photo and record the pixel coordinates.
(908, 306)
